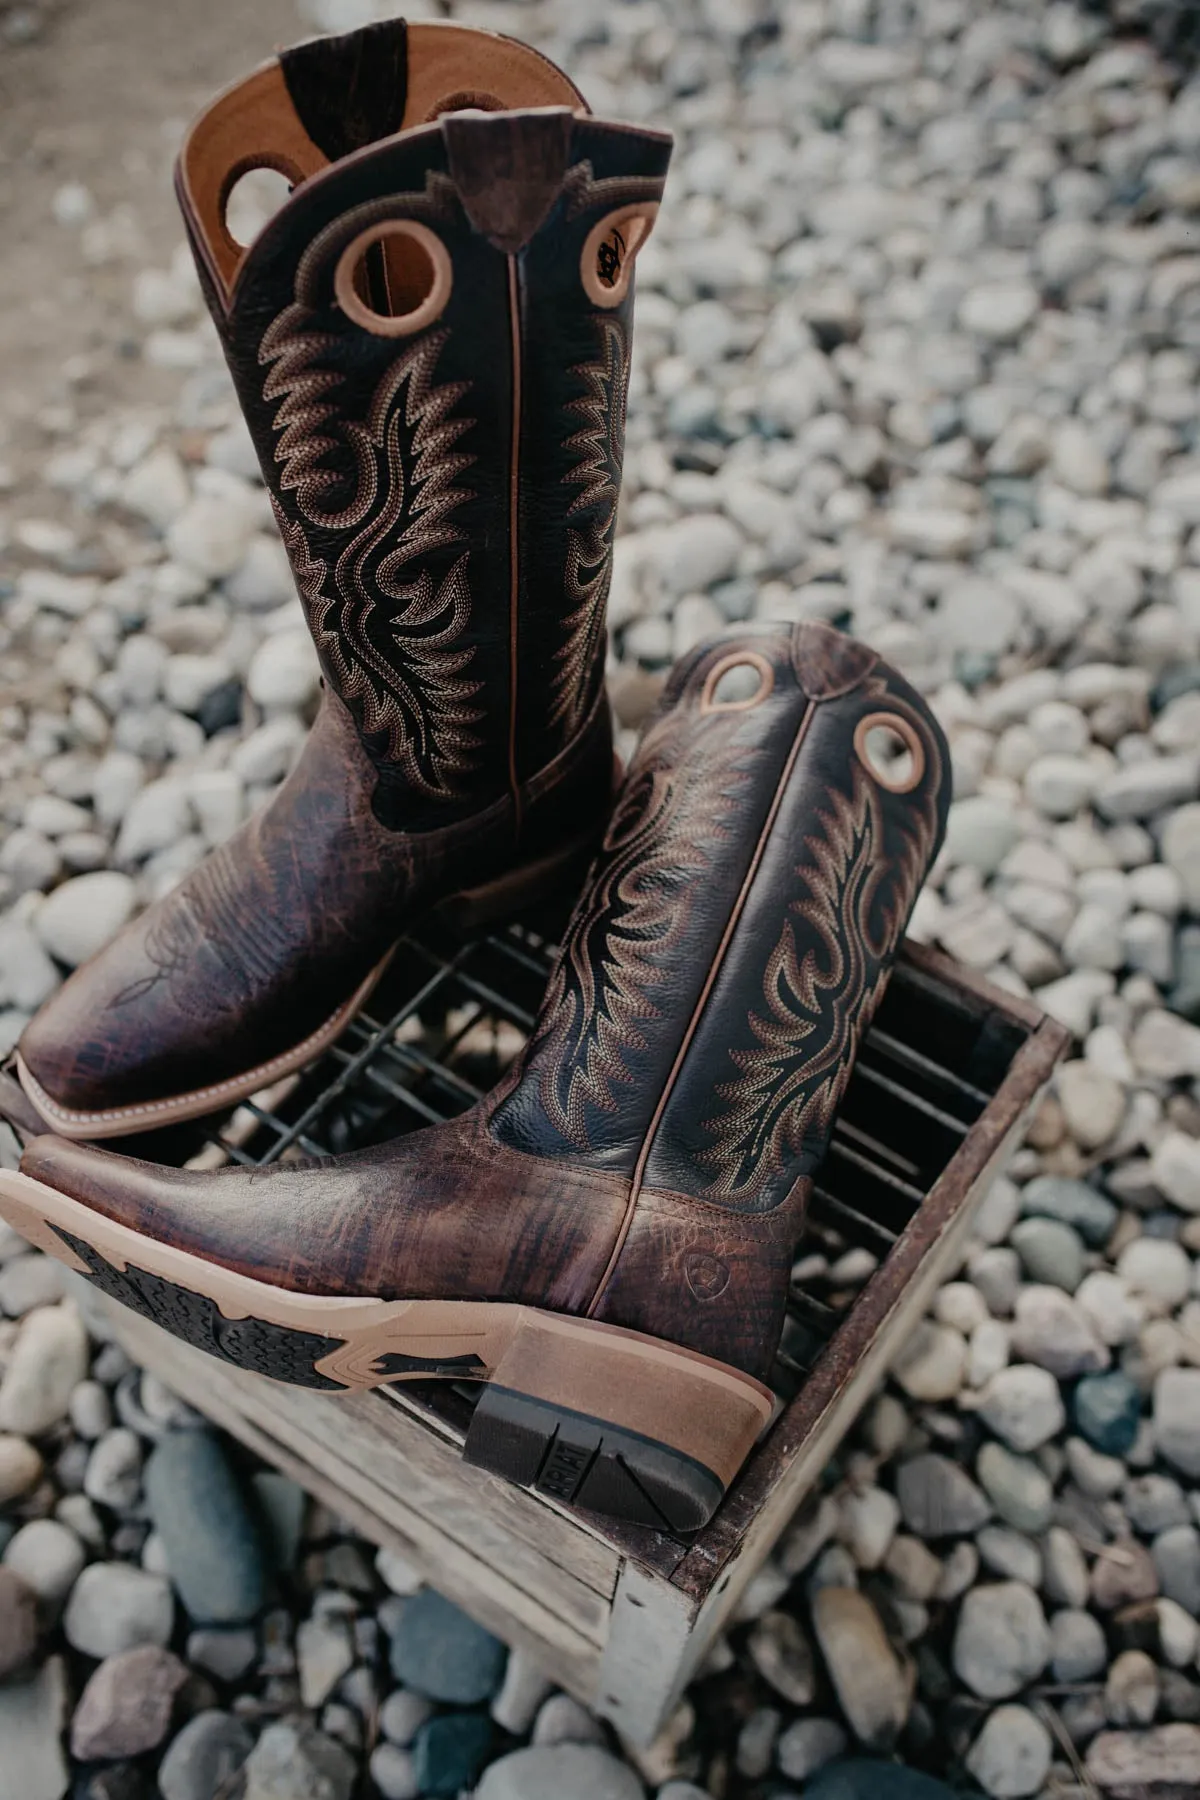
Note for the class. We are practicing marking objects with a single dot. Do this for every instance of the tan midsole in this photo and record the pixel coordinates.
(646, 1378)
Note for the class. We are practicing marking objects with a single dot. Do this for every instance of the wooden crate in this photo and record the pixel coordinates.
(620, 1615)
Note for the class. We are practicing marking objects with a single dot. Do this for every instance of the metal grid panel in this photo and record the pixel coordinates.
(450, 1016)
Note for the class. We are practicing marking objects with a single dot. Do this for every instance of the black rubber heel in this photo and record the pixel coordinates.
(589, 1462)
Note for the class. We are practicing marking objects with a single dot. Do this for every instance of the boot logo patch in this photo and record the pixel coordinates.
(707, 1276)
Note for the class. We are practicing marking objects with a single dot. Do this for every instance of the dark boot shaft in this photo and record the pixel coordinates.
(430, 341)
(723, 967)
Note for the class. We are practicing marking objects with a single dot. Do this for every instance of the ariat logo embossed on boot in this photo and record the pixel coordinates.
(610, 258)
(707, 1276)
(562, 1469)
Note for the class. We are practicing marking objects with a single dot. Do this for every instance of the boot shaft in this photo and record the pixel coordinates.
(430, 341)
(753, 889)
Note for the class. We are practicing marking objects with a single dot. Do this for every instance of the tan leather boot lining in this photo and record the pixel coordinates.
(254, 125)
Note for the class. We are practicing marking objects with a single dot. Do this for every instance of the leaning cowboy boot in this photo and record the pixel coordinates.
(606, 1240)
(430, 342)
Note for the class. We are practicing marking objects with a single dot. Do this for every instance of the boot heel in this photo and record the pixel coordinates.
(622, 1424)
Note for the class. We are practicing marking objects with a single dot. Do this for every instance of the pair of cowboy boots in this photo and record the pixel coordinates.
(430, 341)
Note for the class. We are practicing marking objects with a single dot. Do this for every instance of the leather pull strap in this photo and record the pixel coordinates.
(350, 91)
(508, 168)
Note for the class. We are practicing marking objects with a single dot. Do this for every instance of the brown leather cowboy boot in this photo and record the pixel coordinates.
(430, 342)
(606, 1240)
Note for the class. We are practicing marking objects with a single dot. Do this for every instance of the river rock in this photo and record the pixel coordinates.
(203, 1758)
(293, 1761)
(1002, 1641)
(552, 1771)
(126, 1706)
(439, 1652)
(209, 1534)
(1162, 1760)
(32, 1716)
(1011, 1756)
(1022, 1405)
(874, 1687)
(938, 1498)
(18, 1622)
(48, 1360)
(1049, 1329)
(80, 917)
(1177, 1419)
(114, 1607)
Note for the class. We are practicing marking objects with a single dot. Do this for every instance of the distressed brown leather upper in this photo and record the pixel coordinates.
(447, 496)
(648, 1159)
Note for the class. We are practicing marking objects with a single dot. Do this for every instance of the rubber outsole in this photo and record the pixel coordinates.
(588, 1414)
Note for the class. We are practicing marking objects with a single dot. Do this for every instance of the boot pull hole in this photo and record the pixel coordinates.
(466, 100)
(610, 251)
(890, 750)
(737, 683)
(394, 279)
(254, 196)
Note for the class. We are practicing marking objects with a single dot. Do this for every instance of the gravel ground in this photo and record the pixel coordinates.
(918, 346)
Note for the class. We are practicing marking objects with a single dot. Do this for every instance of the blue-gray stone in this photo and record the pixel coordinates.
(861, 1779)
(441, 1653)
(1050, 1252)
(449, 1752)
(282, 1504)
(208, 1530)
(1073, 1203)
(1107, 1410)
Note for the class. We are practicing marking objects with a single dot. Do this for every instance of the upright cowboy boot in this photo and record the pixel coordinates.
(606, 1240)
(430, 342)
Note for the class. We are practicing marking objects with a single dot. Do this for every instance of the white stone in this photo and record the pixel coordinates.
(1156, 1269)
(1022, 1405)
(999, 310)
(1165, 1046)
(211, 536)
(189, 679)
(49, 1358)
(1181, 850)
(1175, 1170)
(1011, 1756)
(218, 800)
(1177, 1419)
(284, 672)
(1002, 1641)
(48, 1557)
(931, 1363)
(157, 488)
(1057, 786)
(157, 817)
(1113, 1312)
(552, 1771)
(1078, 461)
(114, 1606)
(82, 915)
(1093, 1104)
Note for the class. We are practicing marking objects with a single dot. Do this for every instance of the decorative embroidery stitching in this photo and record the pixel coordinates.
(599, 446)
(637, 907)
(411, 688)
(819, 1004)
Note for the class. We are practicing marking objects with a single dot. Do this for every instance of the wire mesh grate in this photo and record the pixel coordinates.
(450, 1016)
